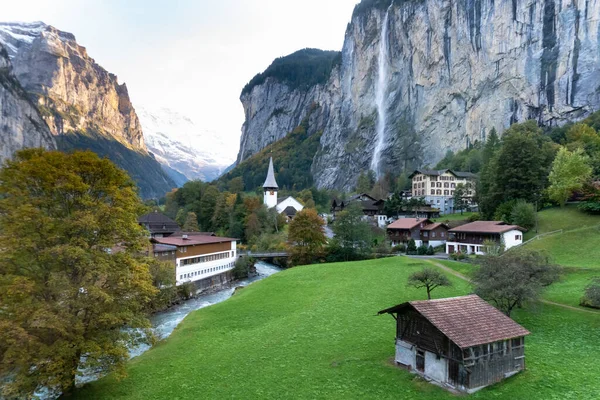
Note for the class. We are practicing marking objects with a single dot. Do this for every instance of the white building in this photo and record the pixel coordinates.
(437, 187)
(289, 206)
(470, 238)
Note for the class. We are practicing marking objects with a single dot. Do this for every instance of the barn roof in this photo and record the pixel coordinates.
(192, 240)
(434, 226)
(158, 222)
(467, 321)
(487, 227)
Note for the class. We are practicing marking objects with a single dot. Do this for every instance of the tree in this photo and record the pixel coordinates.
(306, 236)
(570, 170)
(523, 214)
(411, 248)
(191, 223)
(460, 203)
(67, 301)
(429, 279)
(365, 182)
(352, 232)
(236, 185)
(513, 278)
(592, 294)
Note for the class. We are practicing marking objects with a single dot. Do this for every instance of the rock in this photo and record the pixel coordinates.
(456, 69)
(21, 124)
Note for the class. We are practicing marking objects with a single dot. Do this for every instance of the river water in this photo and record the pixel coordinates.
(165, 322)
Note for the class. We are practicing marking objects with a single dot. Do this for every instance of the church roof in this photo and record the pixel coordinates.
(270, 182)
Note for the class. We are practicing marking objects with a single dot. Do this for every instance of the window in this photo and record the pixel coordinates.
(433, 234)
(442, 234)
(518, 237)
(446, 192)
(439, 184)
(432, 191)
(453, 185)
(446, 185)
(439, 192)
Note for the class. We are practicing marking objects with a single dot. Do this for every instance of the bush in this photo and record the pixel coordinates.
(590, 207)
(474, 217)
(523, 214)
(504, 211)
(412, 247)
(591, 297)
(186, 290)
(243, 266)
(422, 250)
(458, 256)
(430, 251)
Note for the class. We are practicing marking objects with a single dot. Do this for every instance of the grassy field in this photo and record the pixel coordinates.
(454, 217)
(311, 332)
(580, 248)
(566, 218)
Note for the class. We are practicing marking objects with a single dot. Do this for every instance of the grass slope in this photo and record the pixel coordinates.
(566, 218)
(580, 248)
(311, 332)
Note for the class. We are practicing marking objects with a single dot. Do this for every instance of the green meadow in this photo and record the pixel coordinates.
(312, 333)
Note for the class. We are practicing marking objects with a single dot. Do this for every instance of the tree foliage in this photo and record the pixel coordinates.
(429, 279)
(591, 297)
(459, 197)
(306, 236)
(514, 278)
(523, 214)
(570, 170)
(352, 234)
(191, 223)
(65, 297)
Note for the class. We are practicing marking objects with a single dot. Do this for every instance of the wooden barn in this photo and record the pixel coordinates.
(462, 343)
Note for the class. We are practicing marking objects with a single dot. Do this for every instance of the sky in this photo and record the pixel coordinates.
(192, 56)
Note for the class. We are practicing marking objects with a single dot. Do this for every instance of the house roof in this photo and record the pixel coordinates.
(270, 182)
(407, 223)
(434, 226)
(158, 222)
(486, 227)
(433, 172)
(162, 248)
(467, 321)
(179, 234)
(192, 240)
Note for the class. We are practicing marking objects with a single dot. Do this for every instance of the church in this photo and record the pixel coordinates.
(288, 206)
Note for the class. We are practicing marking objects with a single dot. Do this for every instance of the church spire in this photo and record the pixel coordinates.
(270, 182)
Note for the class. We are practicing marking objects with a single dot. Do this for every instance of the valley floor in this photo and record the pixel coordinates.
(312, 332)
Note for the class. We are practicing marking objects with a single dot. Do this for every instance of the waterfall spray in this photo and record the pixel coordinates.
(381, 94)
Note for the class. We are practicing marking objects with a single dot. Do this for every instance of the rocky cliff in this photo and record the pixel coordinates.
(21, 124)
(420, 77)
(84, 105)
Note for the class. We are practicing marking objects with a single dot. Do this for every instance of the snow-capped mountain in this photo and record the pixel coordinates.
(177, 142)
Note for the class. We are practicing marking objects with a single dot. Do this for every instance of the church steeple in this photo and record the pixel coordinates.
(270, 187)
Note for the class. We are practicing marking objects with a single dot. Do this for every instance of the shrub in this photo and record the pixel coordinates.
(430, 251)
(591, 297)
(474, 217)
(186, 290)
(422, 250)
(523, 214)
(458, 256)
(242, 268)
(412, 247)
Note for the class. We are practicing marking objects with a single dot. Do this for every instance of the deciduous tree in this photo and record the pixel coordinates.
(513, 278)
(429, 279)
(68, 301)
(191, 223)
(570, 170)
(306, 236)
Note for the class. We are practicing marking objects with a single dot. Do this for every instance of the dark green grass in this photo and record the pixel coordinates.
(311, 332)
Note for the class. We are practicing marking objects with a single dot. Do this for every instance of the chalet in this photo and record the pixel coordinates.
(198, 258)
(462, 343)
(372, 208)
(420, 212)
(470, 238)
(159, 225)
(437, 187)
(424, 232)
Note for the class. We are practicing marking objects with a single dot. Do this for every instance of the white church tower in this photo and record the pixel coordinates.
(270, 187)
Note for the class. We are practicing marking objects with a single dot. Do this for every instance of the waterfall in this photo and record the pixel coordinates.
(381, 94)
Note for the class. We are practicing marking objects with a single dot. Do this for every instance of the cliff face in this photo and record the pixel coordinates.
(418, 78)
(81, 103)
(72, 91)
(21, 124)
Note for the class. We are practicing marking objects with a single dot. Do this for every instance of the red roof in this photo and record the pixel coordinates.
(467, 321)
(192, 240)
(408, 223)
(433, 226)
(487, 227)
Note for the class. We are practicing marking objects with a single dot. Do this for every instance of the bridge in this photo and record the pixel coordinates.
(263, 254)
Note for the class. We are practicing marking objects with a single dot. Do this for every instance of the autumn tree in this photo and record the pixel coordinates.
(515, 277)
(306, 236)
(191, 223)
(570, 170)
(68, 301)
(429, 279)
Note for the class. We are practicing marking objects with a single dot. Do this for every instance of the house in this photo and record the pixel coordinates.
(469, 238)
(372, 208)
(461, 343)
(270, 196)
(198, 258)
(420, 212)
(158, 224)
(437, 187)
(423, 231)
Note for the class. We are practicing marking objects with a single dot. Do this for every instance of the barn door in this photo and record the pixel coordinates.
(452, 372)
(420, 360)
